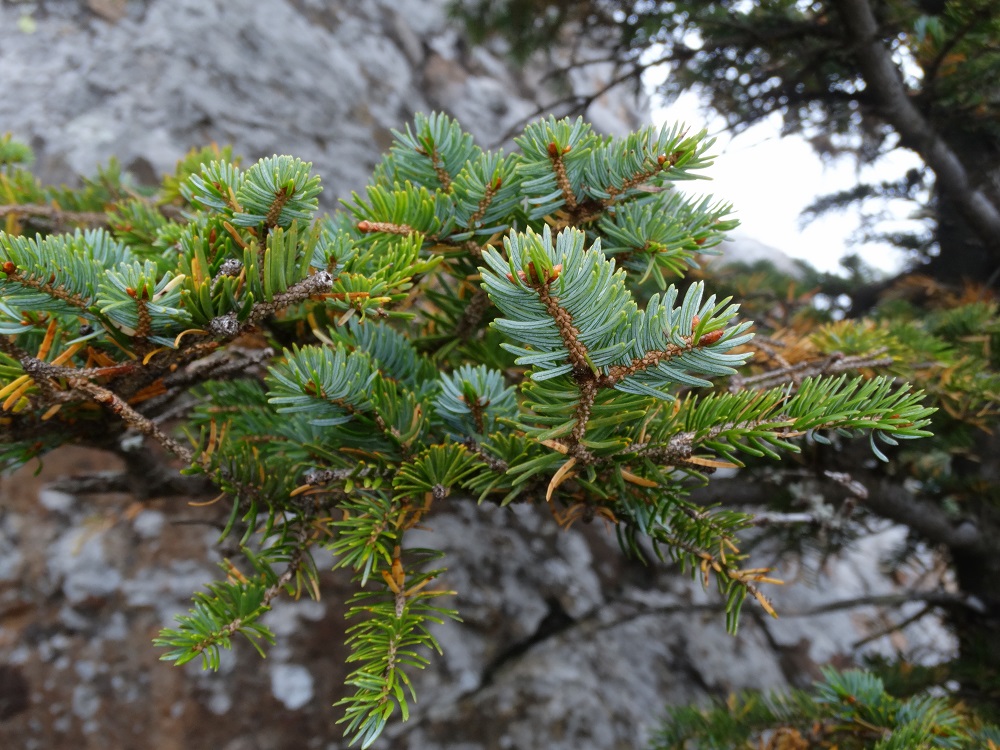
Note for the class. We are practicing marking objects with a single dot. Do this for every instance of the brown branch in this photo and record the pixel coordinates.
(384, 226)
(57, 217)
(132, 418)
(469, 322)
(442, 174)
(562, 179)
(617, 373)
(569, 333)
(274, 212)
(229, 326)
(495, 464)
(582, 373)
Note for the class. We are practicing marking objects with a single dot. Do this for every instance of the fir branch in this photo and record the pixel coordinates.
(562, 179)
(371, 431)
(145, 327)
(281, 197)
(442, 174)
(320, 477)
(46, 287)
(492, 188)
(636, 179)
(651, 359)
(563, 320)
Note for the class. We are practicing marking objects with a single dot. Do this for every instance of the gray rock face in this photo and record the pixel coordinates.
(324, 81)
(564, 644)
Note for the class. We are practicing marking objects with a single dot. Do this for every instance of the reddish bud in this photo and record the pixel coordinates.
(700, 241)
(130, 292)
(711, 337)
(365, 226)
(553, 150)
(695, 321)
(211, 237)
(661, 159)
(497, 183)
(9, 268)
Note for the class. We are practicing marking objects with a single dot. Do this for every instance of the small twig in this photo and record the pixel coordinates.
(894, 627)
(764, 518)
(495, 464)
(471, 317)
(58, 217)
(229, 326)
(931, 598)
(830, 365)
(131, 417)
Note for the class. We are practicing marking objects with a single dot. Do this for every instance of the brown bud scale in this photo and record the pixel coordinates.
(711, 337)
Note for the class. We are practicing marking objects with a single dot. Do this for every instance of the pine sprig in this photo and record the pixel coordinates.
(662, 237)
(390, 642)
(848, 710)
(430, 153)
(471, 325)
(234, 606)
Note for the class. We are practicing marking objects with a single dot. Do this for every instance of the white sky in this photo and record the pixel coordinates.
(769, 180)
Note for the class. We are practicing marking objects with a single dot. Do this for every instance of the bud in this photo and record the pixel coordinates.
(711, 337)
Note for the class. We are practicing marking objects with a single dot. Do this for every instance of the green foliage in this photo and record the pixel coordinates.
(848, 710)
(753, 61)
(471, 326)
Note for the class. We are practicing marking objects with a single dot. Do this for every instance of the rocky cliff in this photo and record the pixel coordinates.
(564, 643)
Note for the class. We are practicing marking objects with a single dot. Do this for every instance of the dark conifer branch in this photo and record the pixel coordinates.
(391, 393)
(915, 131)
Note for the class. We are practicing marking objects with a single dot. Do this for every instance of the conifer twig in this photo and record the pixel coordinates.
(58, 217)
